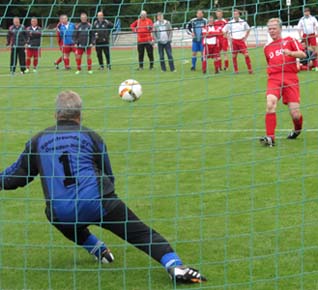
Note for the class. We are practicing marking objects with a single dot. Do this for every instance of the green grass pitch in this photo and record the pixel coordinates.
(187, 161)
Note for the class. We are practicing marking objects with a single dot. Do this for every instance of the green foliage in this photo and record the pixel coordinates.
(177, 11)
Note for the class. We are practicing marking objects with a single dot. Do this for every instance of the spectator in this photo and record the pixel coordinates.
(102, 29)
(219, 23)
(238, 31)
(17, 40)
(34, 33)
(307, 27)
(143, 27)
(163, 36)
(59, 42)
(83, 39)
(211, 44)
(66, 30)
(307, 63)
(194, 28)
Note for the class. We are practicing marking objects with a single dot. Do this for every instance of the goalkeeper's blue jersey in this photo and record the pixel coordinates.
(195, 26)
(75, 172)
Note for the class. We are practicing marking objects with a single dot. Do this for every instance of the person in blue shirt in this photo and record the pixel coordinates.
(66, 30)
(194, 28)
(79, 190)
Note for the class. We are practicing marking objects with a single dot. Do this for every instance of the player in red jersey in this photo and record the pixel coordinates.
(283, 82)
(59, 42)
(211, 48)
(219, 23)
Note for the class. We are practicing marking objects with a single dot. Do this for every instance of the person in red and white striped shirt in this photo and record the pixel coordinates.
(281, 55)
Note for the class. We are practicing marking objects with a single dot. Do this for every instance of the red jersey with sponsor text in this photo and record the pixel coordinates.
(277, 62)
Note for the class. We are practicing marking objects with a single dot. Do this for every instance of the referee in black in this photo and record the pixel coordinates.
(78, 185)
(16, 40)
(102, 29)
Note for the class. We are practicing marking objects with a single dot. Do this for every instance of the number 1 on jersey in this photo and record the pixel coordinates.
(64, 159)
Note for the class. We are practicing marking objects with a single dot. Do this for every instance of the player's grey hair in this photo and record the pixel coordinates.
(143, 12)
(68, 105)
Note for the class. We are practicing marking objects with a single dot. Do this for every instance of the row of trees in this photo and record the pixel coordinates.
(178, 12)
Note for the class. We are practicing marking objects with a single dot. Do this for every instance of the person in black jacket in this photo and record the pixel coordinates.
(83, 39)
(79, 189)
(16, 40)
(102, 29)
(34, 33)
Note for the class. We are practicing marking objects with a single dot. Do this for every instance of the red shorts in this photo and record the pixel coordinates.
(32, 52)
(286, 87)
(80, 50)
(311, 39)
(223, 43)
(211, 51)
(238, 46)
(67, 49)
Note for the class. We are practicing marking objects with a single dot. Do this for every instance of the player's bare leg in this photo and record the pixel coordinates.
(297, 120)
(270, 121)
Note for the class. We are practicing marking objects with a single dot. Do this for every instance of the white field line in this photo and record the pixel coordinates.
(163, 131)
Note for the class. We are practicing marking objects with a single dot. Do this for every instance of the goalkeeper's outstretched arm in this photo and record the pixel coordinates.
(20, 173)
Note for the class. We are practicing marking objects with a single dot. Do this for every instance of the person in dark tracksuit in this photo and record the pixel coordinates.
(83, 38)
(34, 34)
(16, 40)
(102, 29)
(78, 185)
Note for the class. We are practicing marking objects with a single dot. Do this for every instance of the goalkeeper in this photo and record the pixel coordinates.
(78, 186)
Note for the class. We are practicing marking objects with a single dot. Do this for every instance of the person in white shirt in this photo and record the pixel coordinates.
(237, 30)
(307, 27)
(211, 45)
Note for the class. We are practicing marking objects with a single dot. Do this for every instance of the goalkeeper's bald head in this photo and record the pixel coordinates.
(68, 106)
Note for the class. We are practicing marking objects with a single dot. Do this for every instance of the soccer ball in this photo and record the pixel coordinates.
(130, 90)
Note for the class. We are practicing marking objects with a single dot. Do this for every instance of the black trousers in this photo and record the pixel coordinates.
(125, 224)
(17, 52)
(100, 49)
(141, 53)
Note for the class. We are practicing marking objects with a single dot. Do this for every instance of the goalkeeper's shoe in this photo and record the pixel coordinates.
(267, 141)
(293, 134)
(185, 275)
(106, 257)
